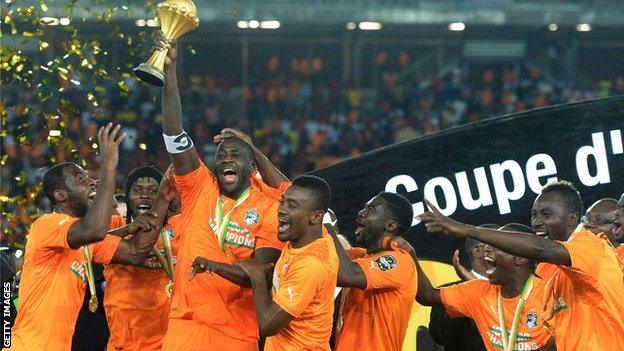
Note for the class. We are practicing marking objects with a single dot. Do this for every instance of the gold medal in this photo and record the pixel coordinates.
(339, 324)
(93, 303)
(169, 288)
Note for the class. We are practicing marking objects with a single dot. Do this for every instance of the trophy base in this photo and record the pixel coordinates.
(150, 74)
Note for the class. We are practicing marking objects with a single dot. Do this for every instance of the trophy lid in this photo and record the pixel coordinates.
(184, 6)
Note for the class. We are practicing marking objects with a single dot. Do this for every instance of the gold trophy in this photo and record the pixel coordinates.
(177, 17)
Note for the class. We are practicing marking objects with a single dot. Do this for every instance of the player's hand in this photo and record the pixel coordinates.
(255, 269)
(401, 243)
(461, 271)
(436, 222)
(144, 222)
(201, 265)
(108, 140)
(231, 132)
(161, 43)
(167, 189)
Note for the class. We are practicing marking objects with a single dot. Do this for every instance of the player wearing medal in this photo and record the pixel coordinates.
(227, 218)
(297, 313)
(57, 263)
(136, 300)
(506, 308)
(584, 281)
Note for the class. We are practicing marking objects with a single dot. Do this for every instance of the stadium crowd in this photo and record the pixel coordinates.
(222, 259)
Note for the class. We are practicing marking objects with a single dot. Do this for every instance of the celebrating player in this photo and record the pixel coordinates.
(506, 308)
(137, 299)
(299, 314)
(584, 280)
(61, 245)
(227, 219)
(382, 282)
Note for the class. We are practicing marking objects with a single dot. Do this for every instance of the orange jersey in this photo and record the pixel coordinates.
(377, 318)
(620, 252)
(585, 299)
(53, 284)
(478, 299)
(210, 299)
(136, 305)
(303, 285)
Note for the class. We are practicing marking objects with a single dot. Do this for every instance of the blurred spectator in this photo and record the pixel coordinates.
(300, 115)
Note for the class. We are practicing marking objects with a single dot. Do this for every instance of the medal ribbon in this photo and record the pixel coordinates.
(90, 275)
(223, 221)
(166, 261)
(509, 339)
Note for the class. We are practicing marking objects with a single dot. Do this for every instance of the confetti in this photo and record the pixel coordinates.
(69, 75)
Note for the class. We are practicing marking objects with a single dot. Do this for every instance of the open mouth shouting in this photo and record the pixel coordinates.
(283, 225)
(144, 207)
(92, 194)
(359, 230)
(491, 265)
(541, 232)
(229, 175)
(617, 228)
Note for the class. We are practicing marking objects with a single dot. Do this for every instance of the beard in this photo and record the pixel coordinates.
(77, 205)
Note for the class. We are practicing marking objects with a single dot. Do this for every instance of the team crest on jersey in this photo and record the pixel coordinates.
(275, 283)
(170, 233)
(531, 320)
(386, 262)
(252, 217)
(559, 305)
(79, 269)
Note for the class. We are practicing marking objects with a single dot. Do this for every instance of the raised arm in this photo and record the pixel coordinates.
(270, 174)
(515, 243)
(136, 250)
(93, 226)
(179, 145)
(350, 274)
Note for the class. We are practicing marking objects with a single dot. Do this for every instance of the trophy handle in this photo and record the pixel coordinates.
(152, 71)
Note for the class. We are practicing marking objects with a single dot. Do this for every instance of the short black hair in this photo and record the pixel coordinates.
(517, 227)
(400, 210)
(141, 172)
(568, 192)
(54, 179)
(242, 142)
(120, 197)
(472, 242)
(318, 187)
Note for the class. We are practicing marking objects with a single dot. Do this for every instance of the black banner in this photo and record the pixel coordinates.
(490, 171)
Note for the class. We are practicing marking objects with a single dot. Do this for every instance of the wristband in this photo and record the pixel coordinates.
(176, 144)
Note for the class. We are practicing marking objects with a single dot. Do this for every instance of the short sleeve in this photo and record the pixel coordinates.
(190, 185)
(116, 222)
(103, 251)
(266, 235)
(275, 194)
(50, 231)
(299, 285)
(460, 299)
(585, 257)
(389, 270)
(356, 252)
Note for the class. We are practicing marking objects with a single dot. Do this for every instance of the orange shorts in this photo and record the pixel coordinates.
(189, 335)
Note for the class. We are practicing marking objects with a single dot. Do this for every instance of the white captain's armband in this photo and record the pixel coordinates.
(176, 144)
